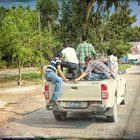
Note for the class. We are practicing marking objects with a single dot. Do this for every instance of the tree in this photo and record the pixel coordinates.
(18, 27)
(49, 13)
(5, 56)
(22, 38)
(3, 12)
(71, 19)
(115, 31)
(89, 7)
(133, 34)
(48, 49)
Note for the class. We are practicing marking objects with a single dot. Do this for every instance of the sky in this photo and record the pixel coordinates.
(32, 3)
(25, 3)
(135, 11)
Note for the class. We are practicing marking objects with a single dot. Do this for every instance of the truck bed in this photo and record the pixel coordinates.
(82, 91)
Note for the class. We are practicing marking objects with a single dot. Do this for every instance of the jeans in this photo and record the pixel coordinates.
(73, 67)
(58, 84)
(82, 68)
(97, 76)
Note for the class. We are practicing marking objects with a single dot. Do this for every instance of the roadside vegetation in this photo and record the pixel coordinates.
(32, 37)
(35, 77)
(124, 66)
(28, 76)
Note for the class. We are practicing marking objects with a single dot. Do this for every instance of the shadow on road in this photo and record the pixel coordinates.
(45, 119)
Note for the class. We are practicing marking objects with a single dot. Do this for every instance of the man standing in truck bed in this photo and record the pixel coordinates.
(84, 49)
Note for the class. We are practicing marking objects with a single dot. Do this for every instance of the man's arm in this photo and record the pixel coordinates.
(80, 77)
(61, 73)
(77, 51)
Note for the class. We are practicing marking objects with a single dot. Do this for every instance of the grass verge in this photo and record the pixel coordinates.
(30, 76)
(124, 66)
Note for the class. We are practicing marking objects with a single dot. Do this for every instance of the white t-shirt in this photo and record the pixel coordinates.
(70, 55)
(113, 64)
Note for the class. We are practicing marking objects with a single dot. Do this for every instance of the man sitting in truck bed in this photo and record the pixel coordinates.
(51, 74)
(112, 62)
(101, 71)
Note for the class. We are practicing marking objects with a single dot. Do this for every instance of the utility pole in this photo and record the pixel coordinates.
(40, 46)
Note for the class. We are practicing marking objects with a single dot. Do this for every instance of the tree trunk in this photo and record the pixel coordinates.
(20, 73)
(88, 11)
(42, 73)
(49, 26)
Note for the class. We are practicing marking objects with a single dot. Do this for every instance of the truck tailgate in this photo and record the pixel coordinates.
(81, 91)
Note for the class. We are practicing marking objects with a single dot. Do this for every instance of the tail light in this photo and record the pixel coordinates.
(46, 92)
(104, 90)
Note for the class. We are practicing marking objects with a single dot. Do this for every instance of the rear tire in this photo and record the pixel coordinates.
(113, 116)
(124, 101)
(59, 116)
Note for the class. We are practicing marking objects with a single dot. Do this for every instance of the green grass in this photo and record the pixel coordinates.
(30, 76)
(124, 66)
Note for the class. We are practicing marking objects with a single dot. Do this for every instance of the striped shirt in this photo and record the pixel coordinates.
(85, 49)
(53, 64)
(98, 67)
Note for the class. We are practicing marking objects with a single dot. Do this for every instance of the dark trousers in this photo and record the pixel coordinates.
(72, 67)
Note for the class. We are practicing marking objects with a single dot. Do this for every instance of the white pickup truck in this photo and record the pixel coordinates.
(102, 96)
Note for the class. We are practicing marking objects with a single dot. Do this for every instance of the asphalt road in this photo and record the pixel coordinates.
(41, 123)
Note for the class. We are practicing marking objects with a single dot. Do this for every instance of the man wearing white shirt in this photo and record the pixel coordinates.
(70, 60)
(112, 62)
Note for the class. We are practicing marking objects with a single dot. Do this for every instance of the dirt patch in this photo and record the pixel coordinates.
(19, 105)
(8, 84)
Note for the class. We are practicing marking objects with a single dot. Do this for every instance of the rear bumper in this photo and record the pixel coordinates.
(90, 108)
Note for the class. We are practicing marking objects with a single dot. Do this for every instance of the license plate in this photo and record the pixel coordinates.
(75, 104)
